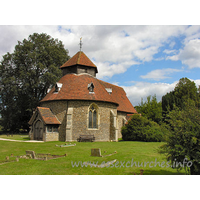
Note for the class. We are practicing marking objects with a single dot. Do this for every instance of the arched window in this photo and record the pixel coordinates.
(93, 116)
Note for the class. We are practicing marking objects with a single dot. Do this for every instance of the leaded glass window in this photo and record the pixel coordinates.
(93, 117)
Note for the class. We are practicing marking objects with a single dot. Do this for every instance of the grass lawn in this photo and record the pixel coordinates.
(126, 151)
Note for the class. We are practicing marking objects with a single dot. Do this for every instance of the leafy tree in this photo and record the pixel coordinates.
(198, 98)
(26, 75)
(151, 109)
(141, 129)
(183, 139)
(186, 89)
(184, 94)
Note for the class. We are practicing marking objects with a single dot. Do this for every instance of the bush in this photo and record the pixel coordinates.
(141, 129)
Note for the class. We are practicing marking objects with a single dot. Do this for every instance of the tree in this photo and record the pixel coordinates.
(184, 94)
(182, 117)
(26, 75)
(151, 109)
(183, 139)
(141, 129)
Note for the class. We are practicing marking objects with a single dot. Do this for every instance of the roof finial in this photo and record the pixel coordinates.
(80, 43)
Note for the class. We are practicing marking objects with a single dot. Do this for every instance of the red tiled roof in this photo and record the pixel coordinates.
(47, 116)
(75, 87)
(119, 95)
(79, 59)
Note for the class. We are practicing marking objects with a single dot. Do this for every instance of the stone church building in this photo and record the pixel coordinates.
(81, 104)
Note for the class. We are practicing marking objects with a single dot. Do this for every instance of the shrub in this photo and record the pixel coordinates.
(141, 129)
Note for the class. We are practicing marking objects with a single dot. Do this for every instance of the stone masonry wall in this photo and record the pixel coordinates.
(59, 108)
(121, 118)
(52, 136)
(78, 114)
(80, 119)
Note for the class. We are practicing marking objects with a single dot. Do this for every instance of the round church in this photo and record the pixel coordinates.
(80, 104)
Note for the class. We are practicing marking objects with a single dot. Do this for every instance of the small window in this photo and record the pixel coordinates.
(52, 128)
(109, 90)
(58, 86)
(55, 129)
(91, 87)
(49, 128)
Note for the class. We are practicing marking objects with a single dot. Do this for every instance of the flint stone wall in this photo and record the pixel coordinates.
(121, 122)
(73, 116)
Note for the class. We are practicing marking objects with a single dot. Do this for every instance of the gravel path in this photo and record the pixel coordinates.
(20, 140)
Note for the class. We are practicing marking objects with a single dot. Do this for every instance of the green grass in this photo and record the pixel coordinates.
(126, 151)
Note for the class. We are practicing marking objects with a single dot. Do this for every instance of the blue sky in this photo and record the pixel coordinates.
(144, 60)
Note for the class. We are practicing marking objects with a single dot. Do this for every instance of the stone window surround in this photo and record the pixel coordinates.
(97, 117)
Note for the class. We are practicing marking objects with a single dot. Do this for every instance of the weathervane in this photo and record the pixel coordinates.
(80, 43)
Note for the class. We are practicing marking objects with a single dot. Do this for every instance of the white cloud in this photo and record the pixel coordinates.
(192, 32)
(107, 69)
(190, 55)
(168, 51)
(143, 89)
(172, 44)
(113, 48)
(10, 35)
(174, 58)
(160, 74)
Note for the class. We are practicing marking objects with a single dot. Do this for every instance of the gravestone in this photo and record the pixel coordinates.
(32, 153)
(96, 152)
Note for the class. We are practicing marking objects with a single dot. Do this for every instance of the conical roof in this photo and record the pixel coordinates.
(79, 59)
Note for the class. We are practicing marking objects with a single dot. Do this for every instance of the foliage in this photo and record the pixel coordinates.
(151, 109)
(184, 94)
(183, 138)
(25, 77)
(181, 115)
(141, 129)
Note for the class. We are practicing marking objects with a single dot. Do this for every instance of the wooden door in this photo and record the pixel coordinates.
(38, 133)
